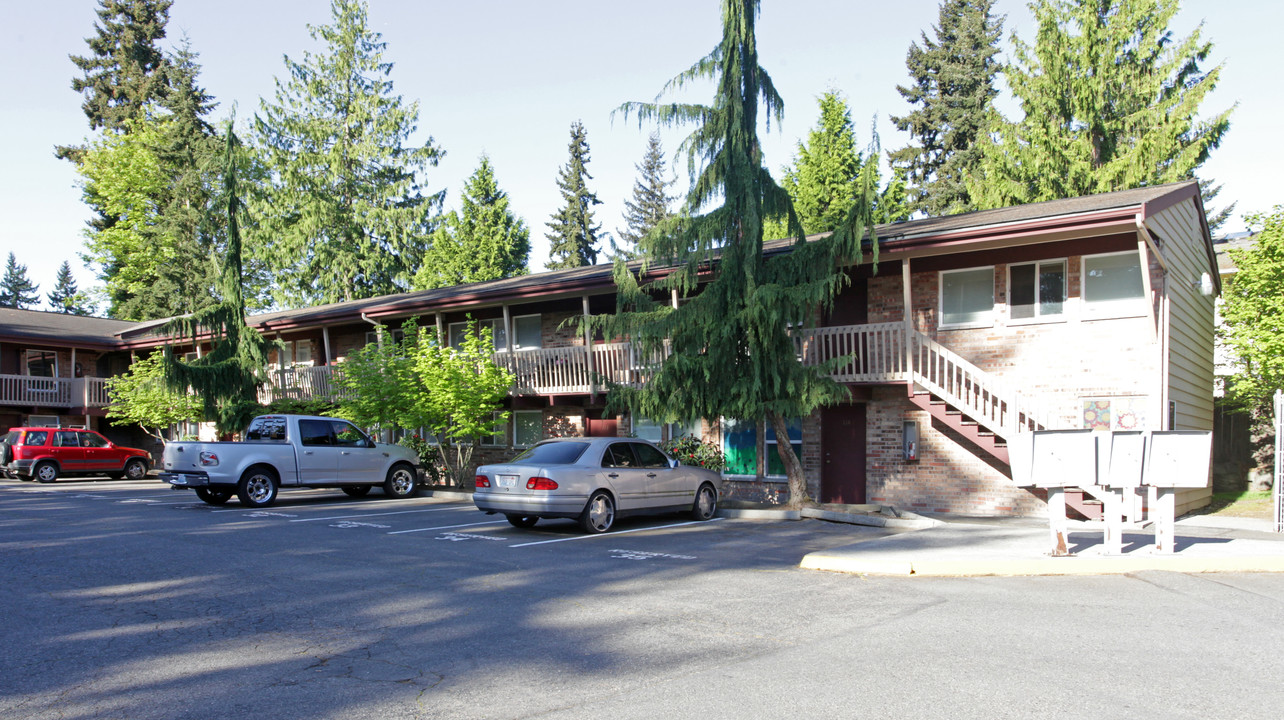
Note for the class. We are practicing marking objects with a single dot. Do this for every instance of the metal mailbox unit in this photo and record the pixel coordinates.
(1113, 467)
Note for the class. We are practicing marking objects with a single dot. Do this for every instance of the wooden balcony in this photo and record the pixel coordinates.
(47, 392)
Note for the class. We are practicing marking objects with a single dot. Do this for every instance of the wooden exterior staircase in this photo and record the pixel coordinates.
(984, 409)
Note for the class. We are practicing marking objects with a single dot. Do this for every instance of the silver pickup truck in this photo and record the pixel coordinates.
(289, 451)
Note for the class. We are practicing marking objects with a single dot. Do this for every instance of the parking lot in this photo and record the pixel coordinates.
(129, 600)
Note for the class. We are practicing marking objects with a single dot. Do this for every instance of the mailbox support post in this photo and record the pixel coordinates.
(1112, 507)
(1165, 519)
(1057, 522)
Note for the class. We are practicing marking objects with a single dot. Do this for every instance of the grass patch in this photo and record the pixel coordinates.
(1248, 503)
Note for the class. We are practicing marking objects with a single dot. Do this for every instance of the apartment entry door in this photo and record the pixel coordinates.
(842, 449)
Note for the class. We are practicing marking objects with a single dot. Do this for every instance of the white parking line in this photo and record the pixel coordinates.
(443, 527)
(317, 492)
(396, 512)
(618, 532)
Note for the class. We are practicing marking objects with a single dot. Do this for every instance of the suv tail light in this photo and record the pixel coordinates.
(481, 481)
(541, 483)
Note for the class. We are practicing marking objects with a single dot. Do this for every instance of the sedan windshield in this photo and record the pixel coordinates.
(554, 453)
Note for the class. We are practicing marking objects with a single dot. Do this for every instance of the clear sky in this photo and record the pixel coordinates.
(508, 79)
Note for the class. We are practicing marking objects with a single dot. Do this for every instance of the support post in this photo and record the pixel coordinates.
(908, 301)
(588, 347)
(1058, 523)
(1165, 513)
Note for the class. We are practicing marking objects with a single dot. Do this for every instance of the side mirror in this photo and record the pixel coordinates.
(673, 462)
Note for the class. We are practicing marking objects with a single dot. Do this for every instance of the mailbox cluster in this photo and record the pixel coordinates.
(1114, 468)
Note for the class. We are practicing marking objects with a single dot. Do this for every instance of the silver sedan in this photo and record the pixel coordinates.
(594, 480)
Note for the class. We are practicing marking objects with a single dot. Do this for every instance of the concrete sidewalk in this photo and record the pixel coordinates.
(1021, 546)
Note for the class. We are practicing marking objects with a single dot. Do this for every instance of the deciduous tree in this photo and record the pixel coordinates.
(345, 214)
(140, 396)
(1252, 314)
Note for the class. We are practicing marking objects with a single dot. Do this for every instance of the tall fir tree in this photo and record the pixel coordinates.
(16, 289)
(65, 298)
(345, 215)
(1110, 101)
(952, 93)
(483, 241)
(573, 237)
(651, 204)
(732, 351)
(228, 377)
(124, 70)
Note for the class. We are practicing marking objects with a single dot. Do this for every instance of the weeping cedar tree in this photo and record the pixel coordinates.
(733, 354)
(228, 378)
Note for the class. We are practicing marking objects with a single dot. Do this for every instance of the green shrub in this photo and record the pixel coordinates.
(691, 451)
(429, 456)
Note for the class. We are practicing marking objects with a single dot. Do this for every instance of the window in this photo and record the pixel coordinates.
(1037, 290)
(299, 352)
(526, 332)
(42, 363)
(649, 457)
(553, 453)
(648, 429)
(528, 427)
(266, 428)
(93, 440)
(500, 437)
(347, 435)
(372, 338)
(774, 465)
(619, 455)
(740, 447)
(496, 325)
(967, 297)
(64, 438)
(1112, 283)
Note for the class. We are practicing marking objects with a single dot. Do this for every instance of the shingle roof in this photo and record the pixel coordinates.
(82, 329)
(59, 328)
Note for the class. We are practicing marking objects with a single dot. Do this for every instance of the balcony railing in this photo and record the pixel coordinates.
(26, 390)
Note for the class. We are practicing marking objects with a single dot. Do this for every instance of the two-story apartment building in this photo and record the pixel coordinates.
(1091, 312)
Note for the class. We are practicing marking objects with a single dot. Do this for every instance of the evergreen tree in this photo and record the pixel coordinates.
(733, 354)
(483, 241)
(344, 216)
(953, 92)
(227, 378)
(124, 71)
(574, 240)
(651, 203)
(1110, 101)
(16, 289)
(64, 298)
(825, 177)
(151, 183)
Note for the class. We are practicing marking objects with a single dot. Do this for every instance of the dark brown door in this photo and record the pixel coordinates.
(842, 448)
(605, 427)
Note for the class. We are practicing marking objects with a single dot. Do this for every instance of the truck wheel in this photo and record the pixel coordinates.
(400, 482)
(356, 490)
(257, 488)
(45, 472)
(214, 497)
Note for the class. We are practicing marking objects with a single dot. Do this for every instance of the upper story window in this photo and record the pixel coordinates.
(42, 363)
(372, 337)
(298, 353)
(1037, 290)
(1112, 283)
(967, 297)
(526, 332)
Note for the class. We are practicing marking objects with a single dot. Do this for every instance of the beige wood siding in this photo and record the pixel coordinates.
(1190, 326)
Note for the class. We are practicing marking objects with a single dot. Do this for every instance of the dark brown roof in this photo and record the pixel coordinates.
(597, 277)
(37, 327)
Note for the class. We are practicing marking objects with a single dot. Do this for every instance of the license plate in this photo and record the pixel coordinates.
(507, 481)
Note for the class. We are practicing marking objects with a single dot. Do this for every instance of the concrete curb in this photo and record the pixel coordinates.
(1077, 565)
(446, 494)
(758, 514)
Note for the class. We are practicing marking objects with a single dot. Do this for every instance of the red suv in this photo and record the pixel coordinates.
(46, 453)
